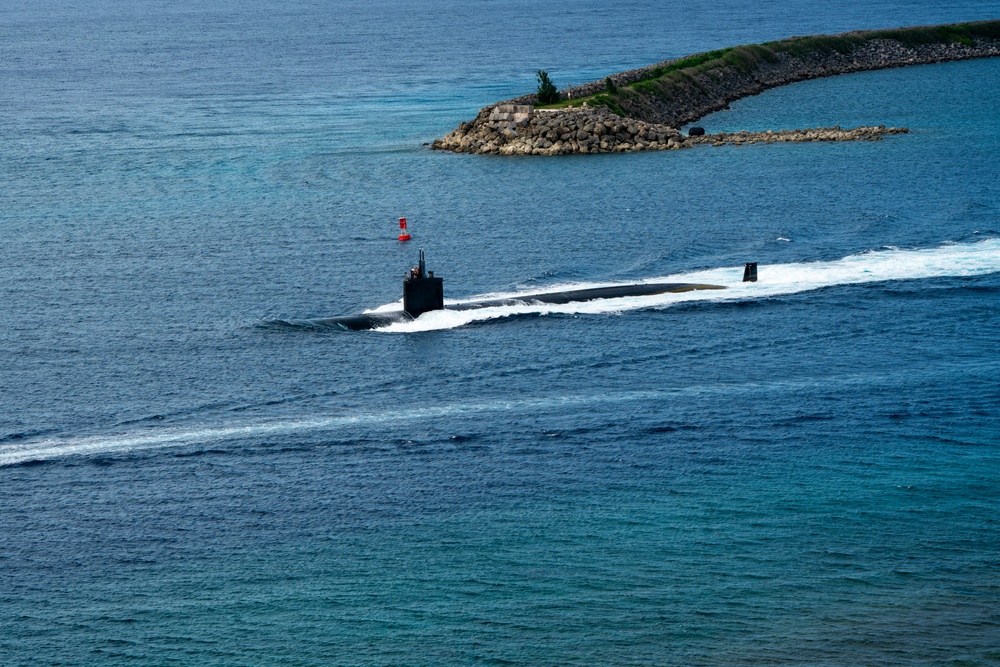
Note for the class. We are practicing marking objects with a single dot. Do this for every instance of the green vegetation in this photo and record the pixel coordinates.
(665, 80)
(961, 33)
(547, 93)
(607, 100)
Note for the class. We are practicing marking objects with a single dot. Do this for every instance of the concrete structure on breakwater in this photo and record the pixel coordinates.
(650, 121)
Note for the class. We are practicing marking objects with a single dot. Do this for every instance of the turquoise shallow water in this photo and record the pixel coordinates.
(801, 471)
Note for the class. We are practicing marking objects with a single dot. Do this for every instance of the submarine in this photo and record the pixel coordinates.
(423, 292)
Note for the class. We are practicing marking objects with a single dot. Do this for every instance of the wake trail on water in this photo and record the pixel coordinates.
(889, 264)
(951, 260)
(118, 444)
(349, 426)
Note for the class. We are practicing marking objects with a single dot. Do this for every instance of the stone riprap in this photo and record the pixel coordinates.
(687, 100)
(522, 130)
(866, 133)
(649, 108)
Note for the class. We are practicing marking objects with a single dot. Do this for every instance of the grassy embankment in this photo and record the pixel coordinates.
(664, 82)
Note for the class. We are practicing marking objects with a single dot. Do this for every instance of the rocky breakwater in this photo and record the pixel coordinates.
(866, 133)
(521, 130)
(686, 95)
(640, 109)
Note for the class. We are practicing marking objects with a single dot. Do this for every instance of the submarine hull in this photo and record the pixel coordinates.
(365, 321)
(589, 294)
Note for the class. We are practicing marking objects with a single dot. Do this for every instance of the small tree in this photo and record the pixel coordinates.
(547, 93)
(609, 85)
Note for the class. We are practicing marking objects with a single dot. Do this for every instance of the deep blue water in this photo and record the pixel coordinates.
(801, 471)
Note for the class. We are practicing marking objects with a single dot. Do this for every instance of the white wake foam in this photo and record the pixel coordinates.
(954, 259)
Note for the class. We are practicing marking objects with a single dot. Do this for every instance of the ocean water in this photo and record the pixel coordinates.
(800, 471)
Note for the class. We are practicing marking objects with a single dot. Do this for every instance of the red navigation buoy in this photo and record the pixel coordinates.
(404, 234)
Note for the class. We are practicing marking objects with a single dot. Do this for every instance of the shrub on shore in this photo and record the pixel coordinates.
(547, 93)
